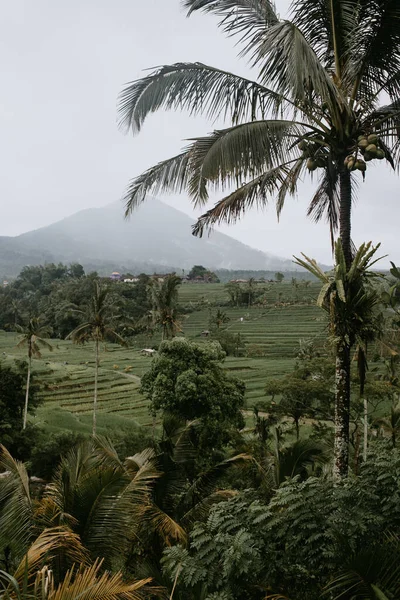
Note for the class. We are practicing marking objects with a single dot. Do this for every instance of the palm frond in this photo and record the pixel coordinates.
(119, 510)
(289, 184)
(17, 511)
(326, 200)
(247, 19)
(292, 67)
(167, 176)
(296, 458)
(373, 573)
(327, 27)
(52, 543)
(169, 530)
(200, 89)
(92, 584)
(375, 48)
(255, 193)
(229, 156)
(205, 484)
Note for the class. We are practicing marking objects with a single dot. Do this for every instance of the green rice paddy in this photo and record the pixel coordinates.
(271, 332)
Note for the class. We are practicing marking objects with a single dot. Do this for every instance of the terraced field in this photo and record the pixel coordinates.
(66, 375)
(66, 378)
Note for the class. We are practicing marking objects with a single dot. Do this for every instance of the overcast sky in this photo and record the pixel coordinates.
(63, 65)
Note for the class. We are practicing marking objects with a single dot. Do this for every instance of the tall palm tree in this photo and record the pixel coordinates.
(98, 324)
(315, 108)
(165, 311)
(355, 321)
(33, 332)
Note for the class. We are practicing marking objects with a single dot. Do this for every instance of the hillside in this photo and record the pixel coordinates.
(156, 236)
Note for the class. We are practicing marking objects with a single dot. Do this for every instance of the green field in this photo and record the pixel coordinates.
(66, 375)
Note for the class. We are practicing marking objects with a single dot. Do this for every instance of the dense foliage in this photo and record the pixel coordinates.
(187, 380)
(51, 290)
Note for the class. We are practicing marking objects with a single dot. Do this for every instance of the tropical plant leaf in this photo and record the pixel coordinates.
(200, 89)
(255, 193)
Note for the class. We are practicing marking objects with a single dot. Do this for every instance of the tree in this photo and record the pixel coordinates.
(76, 270)
(299, 540)
(218, 320)
(250, 291)
(165, 311)
(235, 292)
(89, 582)
(279, 277)
(315, 107)
(33, 332)
(12, 403)
(304, 392)
(187, 380)
(99, 320)
(200, 272)
(391, 424)
(352, 305)
(116, 508)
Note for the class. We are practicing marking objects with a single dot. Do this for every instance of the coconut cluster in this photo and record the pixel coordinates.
(369, 147)
(316, 156)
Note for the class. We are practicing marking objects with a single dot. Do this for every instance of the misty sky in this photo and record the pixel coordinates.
(63, 65)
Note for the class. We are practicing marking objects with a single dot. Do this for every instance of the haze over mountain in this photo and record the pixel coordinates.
(156, 237)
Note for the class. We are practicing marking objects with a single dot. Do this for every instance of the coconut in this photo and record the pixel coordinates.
(363, 143)
(373, 139)
(380, 154)
(371, 149)
(360, 165)
(311, 164)
(303, 145)
(361, 137)
(350, 164)
(368, 156)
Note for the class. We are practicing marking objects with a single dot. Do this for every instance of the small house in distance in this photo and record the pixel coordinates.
(115, 276)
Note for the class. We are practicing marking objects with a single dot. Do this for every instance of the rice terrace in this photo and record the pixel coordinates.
(66, 375)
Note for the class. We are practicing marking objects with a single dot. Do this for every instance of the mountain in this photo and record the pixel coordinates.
(155, 237)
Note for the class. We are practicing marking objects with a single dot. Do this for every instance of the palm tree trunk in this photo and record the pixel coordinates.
(297, 425)
(96, 374)
(365, 449)
(342, 411)
(345, 215)
(342, 395)
(28, 380)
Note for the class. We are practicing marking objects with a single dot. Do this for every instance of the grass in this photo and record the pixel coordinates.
(66, 375)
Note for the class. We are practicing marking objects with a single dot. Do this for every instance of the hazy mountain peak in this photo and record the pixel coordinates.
(155, 234)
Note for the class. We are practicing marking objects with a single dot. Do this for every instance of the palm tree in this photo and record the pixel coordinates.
(391, 425)
(32, 333)
(250, 290)
(316, 107)
(111, 505)
(93, 494)
(98, 325)
(219, 319)
(165, 312)
(88, 582)
(354, 320)
(371, 574)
